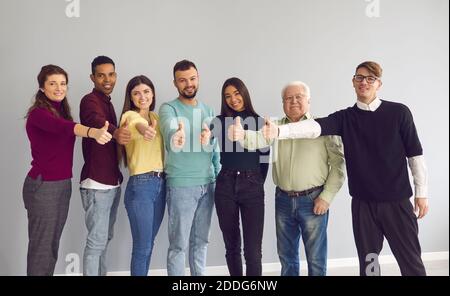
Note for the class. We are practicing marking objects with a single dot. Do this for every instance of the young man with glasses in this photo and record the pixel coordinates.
(379, 138)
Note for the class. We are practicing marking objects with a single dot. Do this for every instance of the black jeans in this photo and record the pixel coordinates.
(241, 192)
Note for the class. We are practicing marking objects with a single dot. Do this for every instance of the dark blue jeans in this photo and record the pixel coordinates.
(145, 200)
(294, 219)
(241, 193)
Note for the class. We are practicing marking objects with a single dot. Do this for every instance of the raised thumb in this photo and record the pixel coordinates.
(125, 125)
(238, 121)
(180, 126)
(105, 127)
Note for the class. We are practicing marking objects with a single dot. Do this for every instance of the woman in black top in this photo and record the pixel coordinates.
(240, 183)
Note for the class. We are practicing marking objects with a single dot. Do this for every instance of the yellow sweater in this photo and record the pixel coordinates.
(143, 156)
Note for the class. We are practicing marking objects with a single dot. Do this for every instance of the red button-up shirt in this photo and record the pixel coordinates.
(100, 161)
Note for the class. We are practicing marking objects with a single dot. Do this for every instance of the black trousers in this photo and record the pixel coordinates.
(47, 204)
(241, 192)
(398, 223)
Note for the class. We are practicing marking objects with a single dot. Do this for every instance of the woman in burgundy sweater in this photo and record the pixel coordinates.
(47, 187)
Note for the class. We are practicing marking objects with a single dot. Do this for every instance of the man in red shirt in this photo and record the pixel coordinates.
(100, 177)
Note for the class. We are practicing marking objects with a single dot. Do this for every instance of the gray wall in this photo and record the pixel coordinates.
(267, 44)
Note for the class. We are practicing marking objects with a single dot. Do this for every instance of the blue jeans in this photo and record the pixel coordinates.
(294, 219)
(190, 210)
(101, 212)
(145, 201)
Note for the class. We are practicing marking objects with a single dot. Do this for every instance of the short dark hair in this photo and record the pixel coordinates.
(373, 67)
(183, 65)
(101, 60)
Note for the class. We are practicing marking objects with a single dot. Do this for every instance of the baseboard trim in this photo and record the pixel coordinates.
(276, 266)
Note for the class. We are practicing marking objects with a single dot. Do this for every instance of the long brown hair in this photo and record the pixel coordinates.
(135, 81)
(129, 105)
(41, 100)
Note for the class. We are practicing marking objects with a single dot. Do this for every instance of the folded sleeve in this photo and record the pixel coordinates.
(336, 163)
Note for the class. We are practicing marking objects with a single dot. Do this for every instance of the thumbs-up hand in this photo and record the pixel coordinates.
(106, 126)
(205, 135)
(179, 138)
(101, 135)
(150, 131)
(235, 131)
(269, 130)
(126, 123)
(123, 134)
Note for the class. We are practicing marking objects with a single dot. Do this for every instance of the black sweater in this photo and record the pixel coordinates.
(376, 147)
(233, 156)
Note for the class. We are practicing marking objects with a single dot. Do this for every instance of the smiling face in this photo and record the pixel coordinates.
(104, 78)
(142, 97)
(365, 91)
(295, 102)
(55, 87)
(234, 99)
(186, 83)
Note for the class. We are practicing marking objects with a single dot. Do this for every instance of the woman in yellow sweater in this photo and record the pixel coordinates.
(144, 156)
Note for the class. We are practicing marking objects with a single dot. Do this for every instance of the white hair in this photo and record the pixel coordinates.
(297, 83)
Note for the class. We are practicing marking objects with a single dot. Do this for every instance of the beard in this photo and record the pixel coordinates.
(187, 96)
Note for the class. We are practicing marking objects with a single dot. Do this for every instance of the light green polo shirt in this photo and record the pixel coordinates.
(301, 164)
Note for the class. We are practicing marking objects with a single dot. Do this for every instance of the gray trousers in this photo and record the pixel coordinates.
(47, 204)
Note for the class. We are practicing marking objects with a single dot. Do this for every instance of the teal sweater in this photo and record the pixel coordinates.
(195, 164)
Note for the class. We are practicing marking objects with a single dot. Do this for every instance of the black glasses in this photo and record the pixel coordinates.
(369, 79)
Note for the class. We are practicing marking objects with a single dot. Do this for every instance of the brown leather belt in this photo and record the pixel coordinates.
(301, 193)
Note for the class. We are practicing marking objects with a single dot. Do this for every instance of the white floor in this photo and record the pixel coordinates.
(436, 264)
(434, 268)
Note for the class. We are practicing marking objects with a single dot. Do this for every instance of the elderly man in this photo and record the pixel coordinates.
(308, 174)
(379, 136)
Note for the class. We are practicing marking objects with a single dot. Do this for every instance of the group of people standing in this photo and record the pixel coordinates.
(188, 159)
